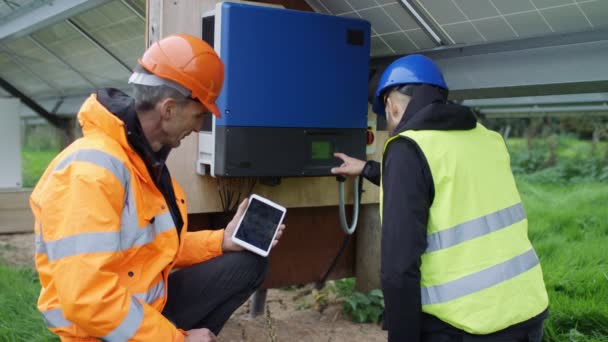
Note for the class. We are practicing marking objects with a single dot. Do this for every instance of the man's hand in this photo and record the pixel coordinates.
(350, 166)
(228, 245)
(200, 335)
(279, 234)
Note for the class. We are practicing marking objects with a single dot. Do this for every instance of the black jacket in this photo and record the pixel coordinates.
(408, 195)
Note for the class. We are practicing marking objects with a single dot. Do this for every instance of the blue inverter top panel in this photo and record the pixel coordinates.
(288, 68)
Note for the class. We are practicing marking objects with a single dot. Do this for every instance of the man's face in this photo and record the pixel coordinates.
(187, 117)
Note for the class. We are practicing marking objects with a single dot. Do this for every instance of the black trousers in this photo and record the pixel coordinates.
(205, 295)
(535, 334)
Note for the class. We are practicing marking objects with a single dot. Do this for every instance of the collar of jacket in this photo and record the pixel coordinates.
(429, 110)
(96, 117)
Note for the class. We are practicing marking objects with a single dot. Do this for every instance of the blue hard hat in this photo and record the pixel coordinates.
(412, 69)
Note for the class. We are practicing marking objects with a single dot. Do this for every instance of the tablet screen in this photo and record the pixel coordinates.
(259, 224)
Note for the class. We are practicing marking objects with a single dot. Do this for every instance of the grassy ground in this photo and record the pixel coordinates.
(19, 318)
(569, 229)
(34, 164)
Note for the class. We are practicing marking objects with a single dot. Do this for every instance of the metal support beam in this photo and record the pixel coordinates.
(138, 13)
(55, 120)
(100, 46)
(45, 15)
(424, 22)
(521, 115)
(66, 64)
(556, 64)
(548, 109)
(530, 101)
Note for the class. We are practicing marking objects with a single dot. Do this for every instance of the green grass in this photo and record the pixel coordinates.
(567, 147)
(568, 226)
(19, 318)
(34, 164)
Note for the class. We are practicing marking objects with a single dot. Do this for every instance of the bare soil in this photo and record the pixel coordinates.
(291, 314)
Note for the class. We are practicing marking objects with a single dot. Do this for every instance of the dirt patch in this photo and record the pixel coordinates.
(291, 315)
(17, 249)
(285, 319)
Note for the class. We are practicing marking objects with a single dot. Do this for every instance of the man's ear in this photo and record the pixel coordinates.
(391, 108)
(167, 108)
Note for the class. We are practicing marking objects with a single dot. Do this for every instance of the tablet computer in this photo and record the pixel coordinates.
(259, 225)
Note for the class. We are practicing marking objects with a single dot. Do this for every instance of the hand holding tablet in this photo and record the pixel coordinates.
(259, 227)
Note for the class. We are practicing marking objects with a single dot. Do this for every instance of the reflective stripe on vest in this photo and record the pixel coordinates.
(54, 318)
(480, 280)
(475, 228)
(154, 293)
(129, 325)
(130, 235)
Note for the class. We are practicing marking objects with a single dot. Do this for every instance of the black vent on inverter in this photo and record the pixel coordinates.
(209, 29)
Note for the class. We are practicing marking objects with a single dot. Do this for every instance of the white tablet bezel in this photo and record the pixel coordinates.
(249, 246)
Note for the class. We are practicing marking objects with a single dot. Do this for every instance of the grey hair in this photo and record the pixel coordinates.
(146, 97)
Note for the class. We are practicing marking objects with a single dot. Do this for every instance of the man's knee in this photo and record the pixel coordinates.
(252, 264)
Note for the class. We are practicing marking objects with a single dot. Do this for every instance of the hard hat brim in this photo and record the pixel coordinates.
(213, 109)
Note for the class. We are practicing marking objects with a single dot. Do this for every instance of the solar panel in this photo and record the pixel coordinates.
(37, 65)
(45, 65)
(82, 54)
(474, 21)
(394, 30)
(119, 30)
(23, 79)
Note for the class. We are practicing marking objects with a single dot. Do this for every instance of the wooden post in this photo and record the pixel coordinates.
(15, 213)
(369, 236)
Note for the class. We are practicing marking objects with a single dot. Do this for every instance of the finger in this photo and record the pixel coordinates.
(279, 234)
(340, 169)
(341, 156)
(242, 207)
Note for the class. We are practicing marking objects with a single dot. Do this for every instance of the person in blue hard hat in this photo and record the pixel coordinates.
(457, 264)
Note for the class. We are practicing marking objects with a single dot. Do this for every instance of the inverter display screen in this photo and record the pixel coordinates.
(322, 150)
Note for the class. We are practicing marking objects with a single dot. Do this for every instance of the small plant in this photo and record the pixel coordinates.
(360, 307)
(365, 308)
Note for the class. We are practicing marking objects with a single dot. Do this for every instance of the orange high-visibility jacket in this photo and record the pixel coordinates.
(106, 241)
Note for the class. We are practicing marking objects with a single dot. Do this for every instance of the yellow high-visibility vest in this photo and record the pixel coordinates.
(479, 272)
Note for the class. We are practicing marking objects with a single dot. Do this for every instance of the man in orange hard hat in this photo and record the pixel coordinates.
(111, 223)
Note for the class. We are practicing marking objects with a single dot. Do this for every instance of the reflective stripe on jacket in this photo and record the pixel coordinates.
(479, 272)
(105, 239)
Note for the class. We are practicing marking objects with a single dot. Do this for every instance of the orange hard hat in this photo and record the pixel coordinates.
(189, 62)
